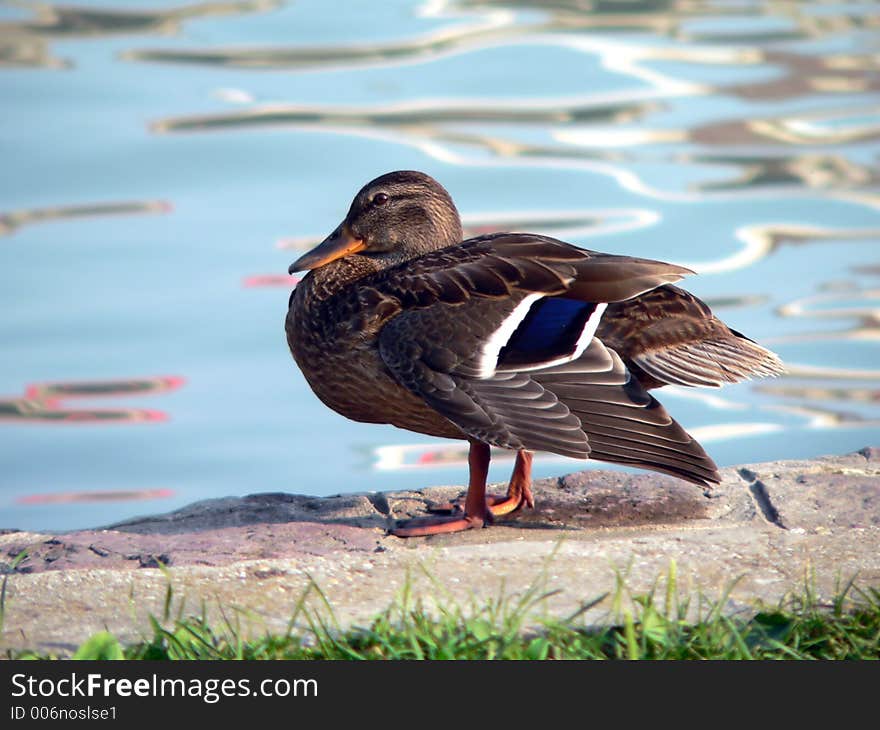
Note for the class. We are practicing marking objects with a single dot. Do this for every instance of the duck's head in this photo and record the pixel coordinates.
(394, 218)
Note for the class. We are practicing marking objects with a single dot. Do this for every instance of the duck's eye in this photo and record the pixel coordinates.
(379, 199)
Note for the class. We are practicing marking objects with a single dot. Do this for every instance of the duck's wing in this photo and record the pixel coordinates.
(434, 351)
(625, 424)
(486, 339)
(668, 336)
(500, 264)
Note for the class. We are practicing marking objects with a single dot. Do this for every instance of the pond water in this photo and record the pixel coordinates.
(164, 162)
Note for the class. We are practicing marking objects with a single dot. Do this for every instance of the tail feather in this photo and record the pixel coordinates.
(625, 424)
(667, 336)
(615, 457)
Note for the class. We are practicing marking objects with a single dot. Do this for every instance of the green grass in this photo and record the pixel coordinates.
(656, 625)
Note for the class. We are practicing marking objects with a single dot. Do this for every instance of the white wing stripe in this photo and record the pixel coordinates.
(583, 342)
(488, 358)
(487, 361)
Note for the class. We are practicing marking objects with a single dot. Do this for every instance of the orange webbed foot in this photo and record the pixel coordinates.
(423, 526)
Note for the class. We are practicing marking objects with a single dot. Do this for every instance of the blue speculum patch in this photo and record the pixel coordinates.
(550, 330)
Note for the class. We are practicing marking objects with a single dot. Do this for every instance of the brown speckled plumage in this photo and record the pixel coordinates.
(326, 314)
(510, 339)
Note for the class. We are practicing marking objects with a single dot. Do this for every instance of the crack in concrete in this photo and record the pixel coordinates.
(761, 495)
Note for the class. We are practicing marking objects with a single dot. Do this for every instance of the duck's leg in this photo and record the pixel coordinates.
(476, 509)
(519, 491)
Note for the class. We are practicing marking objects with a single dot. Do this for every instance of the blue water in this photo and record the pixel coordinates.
(154, 166)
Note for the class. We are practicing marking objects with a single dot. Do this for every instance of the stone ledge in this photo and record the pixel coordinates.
(763, 526)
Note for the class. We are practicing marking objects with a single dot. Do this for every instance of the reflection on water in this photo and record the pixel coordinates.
(417, 118)
(807, 392)
(24, 43)
(130, 495)
(356, 53)
(10, 222)
(740, 139)
(821, 127)
(46, 402)
(433, 129)
(865, 315)
(824, 418)
(760, 241)
(803, 75)
(260, 280)
(809, 170)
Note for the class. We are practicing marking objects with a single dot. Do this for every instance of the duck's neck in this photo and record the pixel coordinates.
(329, 279)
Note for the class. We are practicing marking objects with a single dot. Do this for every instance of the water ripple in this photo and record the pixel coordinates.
(25, 43)
(47, 402)
(14, 220)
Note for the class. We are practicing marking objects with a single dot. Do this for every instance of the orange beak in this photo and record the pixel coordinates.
(338, 244)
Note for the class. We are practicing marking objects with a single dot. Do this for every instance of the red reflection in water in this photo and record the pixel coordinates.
(426, 456)
(270, 280)
(44, 402)
(120, 495)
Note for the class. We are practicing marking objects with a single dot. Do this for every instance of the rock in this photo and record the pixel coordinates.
(272, 508)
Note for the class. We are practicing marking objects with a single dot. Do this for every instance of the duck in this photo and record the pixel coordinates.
(511, 340)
